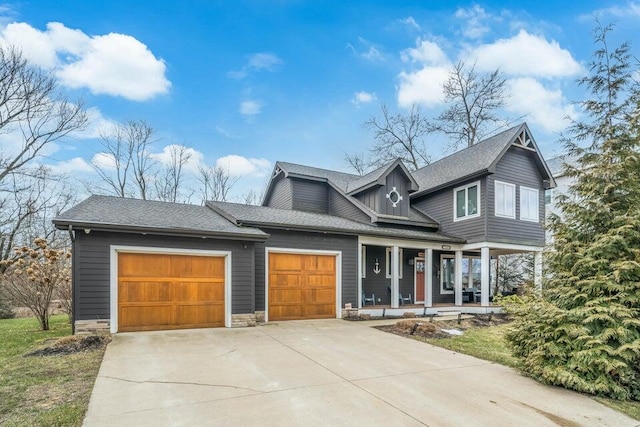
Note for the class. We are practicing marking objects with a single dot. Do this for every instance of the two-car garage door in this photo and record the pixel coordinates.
(301, 286)
(163, 291)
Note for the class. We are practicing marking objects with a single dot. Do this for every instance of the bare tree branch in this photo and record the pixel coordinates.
(216, 182)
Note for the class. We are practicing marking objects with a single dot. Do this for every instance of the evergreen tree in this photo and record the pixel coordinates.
(583, 331)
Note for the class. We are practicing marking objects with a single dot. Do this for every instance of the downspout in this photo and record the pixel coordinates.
(73, 278)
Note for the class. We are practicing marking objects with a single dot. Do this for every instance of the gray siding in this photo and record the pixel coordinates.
(370, 198)
(311, 241)
(340, 206)
(516, 167)
(398, 180)
(281, 194)
(439, 206)
(92, 270)
(379, 284)
(309, 196)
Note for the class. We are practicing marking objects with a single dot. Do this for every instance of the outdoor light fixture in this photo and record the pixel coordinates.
(446, 247)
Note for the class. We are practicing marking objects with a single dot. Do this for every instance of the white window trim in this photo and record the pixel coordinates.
(113, 260)
(363, 262)
(537, 205)
(495, 196)
(388, 262)
(442, 290)
(455, 202)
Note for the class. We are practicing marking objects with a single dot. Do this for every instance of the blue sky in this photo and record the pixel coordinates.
(248, 83)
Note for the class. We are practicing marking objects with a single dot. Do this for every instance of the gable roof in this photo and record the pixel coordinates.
(378, 176)
(474, 161)
(340, 179)
(117, 213)
(263, 216)
(557, 164)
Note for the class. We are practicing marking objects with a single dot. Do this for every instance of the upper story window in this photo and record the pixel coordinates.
(388, 263)
(505, 199)
(466, 201)
(529, 204)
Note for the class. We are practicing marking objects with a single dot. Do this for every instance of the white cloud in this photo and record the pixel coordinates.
(546, 108)
(74, 165)
(112, 64)
(475, 25)
(371, 52)
(104, 160)
(250, 108)
(256, 62)
(411, 23)
(363, 97)
(242, 166)
(97, 125)
(168, 154)
(631, 9)
(423, 85)
(525, 55)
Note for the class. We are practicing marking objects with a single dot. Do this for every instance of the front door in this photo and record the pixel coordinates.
(419, 281)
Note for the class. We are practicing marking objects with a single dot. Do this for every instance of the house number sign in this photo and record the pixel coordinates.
(394, 197)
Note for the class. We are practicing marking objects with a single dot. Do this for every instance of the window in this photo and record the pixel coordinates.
(548, 196)
(505, 199)
(447, 274)
(466, 201)
(388, 263)
(529, 205)
(363, 262)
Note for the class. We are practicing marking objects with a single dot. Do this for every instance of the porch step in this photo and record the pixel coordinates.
(449, 313)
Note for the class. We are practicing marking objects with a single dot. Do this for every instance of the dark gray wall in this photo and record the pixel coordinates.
(439, 206)
(370, 198)
(309, 196)
(379, 284)
(312, 241)
(281, 194)
(92, 270)
(340, 206)
(516, 167)
(395, 179)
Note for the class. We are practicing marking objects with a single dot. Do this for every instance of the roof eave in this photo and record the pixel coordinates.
(477, 174)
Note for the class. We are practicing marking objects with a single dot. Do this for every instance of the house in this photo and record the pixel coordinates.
(321, 243)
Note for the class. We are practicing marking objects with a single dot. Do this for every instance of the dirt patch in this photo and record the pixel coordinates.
(428, 329)
(73, 344)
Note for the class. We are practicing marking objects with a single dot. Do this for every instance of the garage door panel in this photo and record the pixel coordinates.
(158, 291)
(135, 292)
(301, 286)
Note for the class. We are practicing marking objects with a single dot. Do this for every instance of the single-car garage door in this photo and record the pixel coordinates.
(301, 286)
(161, 291)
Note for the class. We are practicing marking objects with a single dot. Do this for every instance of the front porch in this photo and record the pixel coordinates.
(404, 276)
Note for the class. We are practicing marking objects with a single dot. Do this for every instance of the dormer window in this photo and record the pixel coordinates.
(466, 201)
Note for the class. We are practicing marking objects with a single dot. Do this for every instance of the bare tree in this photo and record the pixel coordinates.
(34, 277)
(397, 136)
(474, 100)
(126, 163)
(170, 179)
(358, 163)
(216, 182)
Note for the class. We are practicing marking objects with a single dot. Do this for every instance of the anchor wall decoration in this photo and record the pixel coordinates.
(376, 267)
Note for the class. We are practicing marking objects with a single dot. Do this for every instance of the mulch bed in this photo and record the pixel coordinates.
(427, 329)
(73, 344)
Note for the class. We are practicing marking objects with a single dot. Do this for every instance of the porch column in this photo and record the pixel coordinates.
(395, 279)
(485, 285)
(537, 269)
(360, 269)
(428, 277)
(457, 284)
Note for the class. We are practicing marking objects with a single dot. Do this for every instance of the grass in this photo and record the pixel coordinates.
(489, 344)
(43, 390)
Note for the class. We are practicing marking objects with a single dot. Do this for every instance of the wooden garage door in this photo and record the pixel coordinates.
(158, 291)
(302, 286)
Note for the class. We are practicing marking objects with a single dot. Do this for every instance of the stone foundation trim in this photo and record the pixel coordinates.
(243, 320)
(91, 326)
(260, 316)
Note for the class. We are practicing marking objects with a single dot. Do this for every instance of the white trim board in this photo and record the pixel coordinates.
(407, 244)
(337, 254)
(114, 250)
(506, 246)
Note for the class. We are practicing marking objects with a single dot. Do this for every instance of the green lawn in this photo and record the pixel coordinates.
(489, 344)
(43, 390)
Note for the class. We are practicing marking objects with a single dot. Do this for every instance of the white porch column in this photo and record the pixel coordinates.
(395, 277)
(485, 285)
(537, 269)
(428, 277)
(457, 284)
(360, 269)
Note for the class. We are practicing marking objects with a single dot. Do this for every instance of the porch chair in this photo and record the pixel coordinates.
(366, 299)
(405, 299)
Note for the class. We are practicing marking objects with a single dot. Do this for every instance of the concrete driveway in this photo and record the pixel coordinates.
(327, 372)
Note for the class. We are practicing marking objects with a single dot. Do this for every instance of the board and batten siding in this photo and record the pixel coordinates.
(348, 245)
(517, 167)
(340, 206)
(310, 196)
(92, 270)
(398, 180)
(439, 206)
(280, 196)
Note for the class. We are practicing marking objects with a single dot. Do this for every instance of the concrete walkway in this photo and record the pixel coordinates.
(327, 372)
